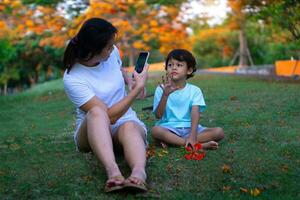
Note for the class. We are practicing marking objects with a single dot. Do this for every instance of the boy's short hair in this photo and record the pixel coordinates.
(183, 55)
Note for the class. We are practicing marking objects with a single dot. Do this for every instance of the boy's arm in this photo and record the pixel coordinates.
(160, 110)
(195, 117)
(167, 88)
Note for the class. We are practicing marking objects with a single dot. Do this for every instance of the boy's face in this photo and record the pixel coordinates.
(178, 70)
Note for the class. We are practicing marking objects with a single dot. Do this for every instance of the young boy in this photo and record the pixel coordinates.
(177, 105)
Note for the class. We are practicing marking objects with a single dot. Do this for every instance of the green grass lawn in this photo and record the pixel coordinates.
(261, 150)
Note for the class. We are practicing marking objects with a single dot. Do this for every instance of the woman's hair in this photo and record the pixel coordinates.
(182, 55)
(91, 39)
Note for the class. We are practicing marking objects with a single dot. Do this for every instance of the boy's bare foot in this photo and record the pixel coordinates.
(211, 145)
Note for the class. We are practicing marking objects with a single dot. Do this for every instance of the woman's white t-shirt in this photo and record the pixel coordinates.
(105, 81)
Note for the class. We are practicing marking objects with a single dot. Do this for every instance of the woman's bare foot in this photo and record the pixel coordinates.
(115, 180)
(138, 176)
(136, 182)
(114, 174)
(211, 145)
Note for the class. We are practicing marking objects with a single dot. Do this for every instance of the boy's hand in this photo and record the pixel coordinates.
(167, 85)
(190, 141)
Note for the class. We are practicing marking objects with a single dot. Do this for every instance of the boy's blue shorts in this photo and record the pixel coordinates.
(184, 132)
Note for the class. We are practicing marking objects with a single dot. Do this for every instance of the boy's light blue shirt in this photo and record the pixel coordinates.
(179, 105)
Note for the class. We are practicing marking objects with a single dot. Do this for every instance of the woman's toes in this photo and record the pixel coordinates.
(116, 180)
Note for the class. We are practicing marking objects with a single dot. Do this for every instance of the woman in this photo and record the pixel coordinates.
(93, 81)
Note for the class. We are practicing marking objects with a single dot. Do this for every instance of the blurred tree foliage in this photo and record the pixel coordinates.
(8, 70)
(140, 26)
(271, 29)
(34, 33)
(42, 2)
(215, 47)
(282, 13)
(166, 2)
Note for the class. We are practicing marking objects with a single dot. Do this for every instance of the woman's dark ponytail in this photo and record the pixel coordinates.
(70, 56)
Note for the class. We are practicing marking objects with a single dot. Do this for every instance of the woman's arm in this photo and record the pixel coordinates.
(131, 83)
(93, 102)
(120, 108)
(114, 112)
(127, 79)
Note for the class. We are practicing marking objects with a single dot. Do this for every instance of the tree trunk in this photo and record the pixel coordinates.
(243, 54)
(36, 75)
(5, 89)
(131, 56)
(49, 73)
(31, 80)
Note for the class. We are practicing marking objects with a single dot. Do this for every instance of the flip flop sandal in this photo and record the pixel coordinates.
(134, 187)
(113, 187)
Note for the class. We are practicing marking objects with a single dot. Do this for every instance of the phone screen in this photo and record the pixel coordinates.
(141, 61)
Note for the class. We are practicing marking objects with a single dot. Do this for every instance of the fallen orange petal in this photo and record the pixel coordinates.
(226, 168)
(244, 190)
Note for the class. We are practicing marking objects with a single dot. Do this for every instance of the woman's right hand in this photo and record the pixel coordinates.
(140, 79)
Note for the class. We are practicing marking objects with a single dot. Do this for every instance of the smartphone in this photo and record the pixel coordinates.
(141, 61)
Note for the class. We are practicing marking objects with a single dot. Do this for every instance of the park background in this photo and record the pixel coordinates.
(259, 157)
(34, 33)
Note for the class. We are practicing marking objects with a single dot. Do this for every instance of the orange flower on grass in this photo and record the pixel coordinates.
(194, 152)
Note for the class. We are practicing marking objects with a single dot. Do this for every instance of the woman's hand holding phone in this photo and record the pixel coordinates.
(140, 79)
(140, 74)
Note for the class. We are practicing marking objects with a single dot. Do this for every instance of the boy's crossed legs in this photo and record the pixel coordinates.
(208, 137)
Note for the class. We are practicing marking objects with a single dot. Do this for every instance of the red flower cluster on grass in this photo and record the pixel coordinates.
(194, 153)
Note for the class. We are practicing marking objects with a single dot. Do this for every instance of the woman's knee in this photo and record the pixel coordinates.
(155, 131)
(96, 112)
(129, 128)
